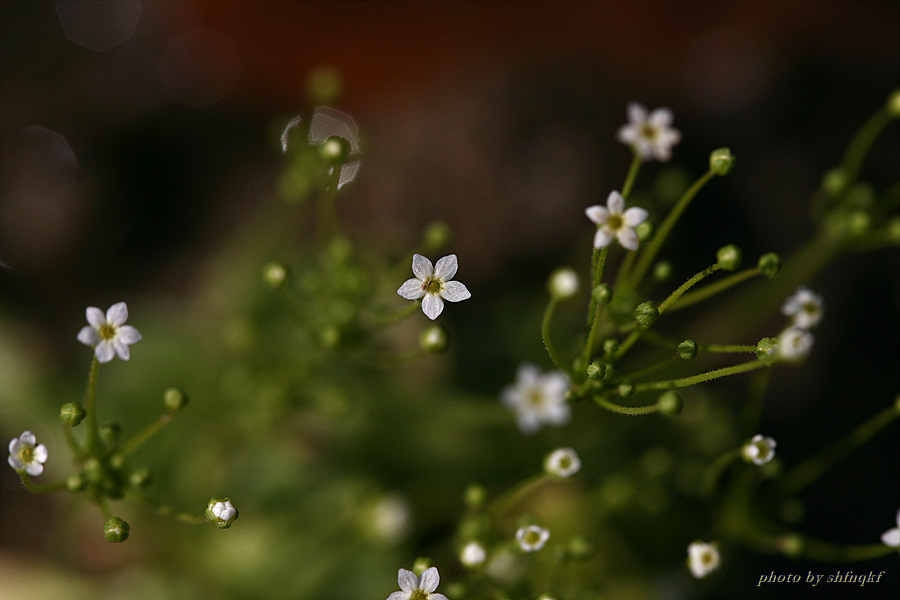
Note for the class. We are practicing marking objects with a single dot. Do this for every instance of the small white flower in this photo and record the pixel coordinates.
(614, 222)
(563, 283)
(538, 399)
(891, 537)
(703, 558)
(759, 450)
(418, 588)
(532, 538)
(391, 518)
(473, 555)
(434, 283)
(108, 334)
(221, 512)
(651, 137)
(794, 344)
(23, 454)
(562, 462)
(805, 308)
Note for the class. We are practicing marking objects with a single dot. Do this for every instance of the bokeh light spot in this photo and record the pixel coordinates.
(98, 24)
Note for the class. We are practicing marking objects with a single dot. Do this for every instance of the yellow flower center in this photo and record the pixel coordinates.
(534, 397)
(26, 454)
(107, 331)
(615, 222)
(433, 285)
(648, 131)
(419, 595)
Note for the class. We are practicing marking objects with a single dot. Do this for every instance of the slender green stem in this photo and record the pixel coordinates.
(814, 467)
(861, 143)
(74, 446)
(648, 255)
(700, 378)
(756, 394)
(515, 495)
(633, 170)
(103, 502)
(167, 510)
(545, 334)
(714, 288)
(645, 371)
(829, 552)
(727, 349)
(328, 223)
(674, 296)
(714, 472)
(397, 316)
(627, 343)
(145, 434)
(40, 488)
(90, 405)
(632, 411)
(598, 264)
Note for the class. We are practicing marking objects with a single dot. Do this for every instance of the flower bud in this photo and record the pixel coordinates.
(116, 530)
(111, 433)
(626, 389)
(792, 545)
(474, 495)
(858, 223)
(579, 548)
(769, 265)
(221, 512)
(721, 161)
(596, 370)
(434, 339)
(141, 478)
(646, 314)
(834, 182)
(72, 413)
(767, 350)
(563, 284)
(334, 150)
(729, 257)
(437, 235)
(421, 565)
(687, 349)
(893, 103)
(610, 345)
(602, 294)
(276, 275)
(76, 482)
(662, 270)
(645, 231)
(175, 399)
(670, 403)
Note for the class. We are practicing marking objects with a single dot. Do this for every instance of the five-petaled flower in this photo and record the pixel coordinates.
(614, 222)
(108, 333)
(537, 398)
(418, 588)
(562, 462)
(433, 283)
(650, 136)
(794, 344)
(805, 308)
(703, 558)
(25, 456)
(759, 450)
(891, 537)
(532, 538)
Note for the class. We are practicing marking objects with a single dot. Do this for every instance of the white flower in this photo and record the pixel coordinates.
(805, 308)
(23, 454)
(703, 558)
(759, 450)
(532, 538)
(562, 462)
(108, 334)
(651, 137)
(421, 588)
(537, 399)
(473, 555)
(434, 283)
(221, 512)
(891, 537)
(794, 344)
(563, 283)
(616, 222)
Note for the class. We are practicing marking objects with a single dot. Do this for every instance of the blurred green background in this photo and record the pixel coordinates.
(140, 162)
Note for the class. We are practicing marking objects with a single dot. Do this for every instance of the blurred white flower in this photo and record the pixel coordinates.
(891, 537)
(532, 538)
(562, 462)
(703, 558)
(650, 136)
(108, 334)
(418, 588)
(614, 222)
(759, 450)
(563, 283)
(434, 282)
(23, 454)
(538, 399)
(805, 308)
(794, 344)
(473, 554)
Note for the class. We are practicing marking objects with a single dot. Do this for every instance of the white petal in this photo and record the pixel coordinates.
(88, 336)
(14, 462)
(555, 383)
(634, 216)
(34, 468)
(432, 305)
(446, 267)
(429, 580)
(891, 537)
(597, 214)
(636, 112)
(128, 334)
(121, 348)
(438, 597)
(14, 445)
(104, 352)
(398, 596)
(627, 238)
(627, 134)
(898, 519)
(94, 316)
(117, 314)
(527, 374)
(528, 422)
(557, 414)
(411, 289)
(407, 580)
(603, 238)
(40, 453)
(27, 439)
(422, 267)
(661, 117)
(509, 397)
(615, 203)
(455, 291)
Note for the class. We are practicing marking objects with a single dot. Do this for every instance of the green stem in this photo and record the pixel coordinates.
(167, 510)
(814, 467)
(829, 552)
(545, 334)
(861, 143)
(145, 434)
(674, 296)
(756, 394)
(397, 316)
(636, 163)
(712, 289)
(598, 264)
(713, 472)
(90, 405)
(515, 495)
(727, 349)
(700, 378)
(632, 411)
(327, 214)
(40, 488)
(645, 371)
(74, 446)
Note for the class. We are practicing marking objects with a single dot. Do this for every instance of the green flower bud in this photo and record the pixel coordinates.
(474, 495)
(626, 389)
(767, 350)
(434, 339)
(610, 345)
(769, 265)
(421, 565)
(437, 235)
(175, 399)
(334, 150)
(858, 223)
(687, 349)
(563, 283)
(646, 314)
(602, 294)
(645, 231)
(834, 182)
(662, 270)
(76, 482)
(721, 161)
(276, 275)
(116, 530)
(117, 461)
(579, 548)
(140, 478)
(670, 403)
(221, 512)
(72, 413)
(729, 257)
(893, 103)
(596, 370)
(330, 337)
(792, 545)
(111, 433)
(93, 470)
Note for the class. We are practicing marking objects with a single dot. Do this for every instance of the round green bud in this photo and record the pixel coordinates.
(421, 565)
(276, 275)
(729, 257)
(792, 545)
(858, 223)
(72, 413)
(434, 339)
(602, 294)
(563, 283)
(893, 103)
(111, 433)
(596, 370)
(330, 337)
(721, 161)
(662, 270)
(687, 349)
(645, 231)
(116, 530)
(334, 150)
(626, 389)
(93, 470)
(769, 265)
(324, 85)
(767, 350)
(474, 495)
(646, 314)
(834, 182)
(670, 403)
(437, 235)
(117, 461)
(76, 482)
(175, 399)
(140, 478)
(610, 345)
(579, 548)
